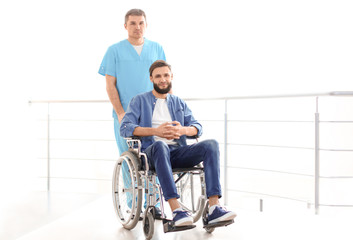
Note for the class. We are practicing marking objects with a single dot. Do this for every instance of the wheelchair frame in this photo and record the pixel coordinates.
(143, 180)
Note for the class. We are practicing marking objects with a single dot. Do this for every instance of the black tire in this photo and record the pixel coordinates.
(209, 230)
(148, 225)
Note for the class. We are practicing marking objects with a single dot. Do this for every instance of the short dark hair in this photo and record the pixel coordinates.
(134, 12)
(158, 64)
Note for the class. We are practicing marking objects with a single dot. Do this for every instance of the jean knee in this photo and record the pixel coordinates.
(160, 148)
(210, 145)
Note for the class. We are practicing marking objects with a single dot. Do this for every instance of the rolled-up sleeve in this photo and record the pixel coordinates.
(189, 120)
(130, 120)
(199, 129)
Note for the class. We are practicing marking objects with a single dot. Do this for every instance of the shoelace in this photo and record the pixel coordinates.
(224, 208)
(221, 207)
(175, 213)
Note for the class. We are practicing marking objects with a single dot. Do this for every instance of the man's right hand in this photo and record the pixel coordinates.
(121, 116)
(114, 96)
(168, 130)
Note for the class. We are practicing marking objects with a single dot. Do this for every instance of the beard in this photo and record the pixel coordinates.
(162, 91)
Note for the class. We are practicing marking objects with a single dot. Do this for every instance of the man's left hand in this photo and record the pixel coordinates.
(177, 129)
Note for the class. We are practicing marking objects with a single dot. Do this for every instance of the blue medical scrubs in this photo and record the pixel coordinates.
(132, 72)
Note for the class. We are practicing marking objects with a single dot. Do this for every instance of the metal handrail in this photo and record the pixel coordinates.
(334, 93)
(226, 121)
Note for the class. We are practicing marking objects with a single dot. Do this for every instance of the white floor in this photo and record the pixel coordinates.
(85, 216)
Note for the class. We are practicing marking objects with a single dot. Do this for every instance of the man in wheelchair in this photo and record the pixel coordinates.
(163, 122)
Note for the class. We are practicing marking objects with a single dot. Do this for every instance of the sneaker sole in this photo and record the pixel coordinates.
(225, 217)
(184, 222)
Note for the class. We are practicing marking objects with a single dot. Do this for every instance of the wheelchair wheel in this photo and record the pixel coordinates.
(192, 193)
(127, 189)
(148, 225)
(209, 230)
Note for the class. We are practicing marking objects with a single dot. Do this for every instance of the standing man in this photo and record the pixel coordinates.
(125, 67)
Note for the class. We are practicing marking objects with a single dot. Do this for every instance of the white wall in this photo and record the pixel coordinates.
(52, 50)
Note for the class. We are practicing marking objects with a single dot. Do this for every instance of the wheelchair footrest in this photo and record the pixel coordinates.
(219, 224)
(168, 226)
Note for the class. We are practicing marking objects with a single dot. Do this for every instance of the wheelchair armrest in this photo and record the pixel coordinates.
(134, 143)
(133, 138)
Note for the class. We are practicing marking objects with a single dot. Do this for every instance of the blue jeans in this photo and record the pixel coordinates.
(122, 146)
(163, 158)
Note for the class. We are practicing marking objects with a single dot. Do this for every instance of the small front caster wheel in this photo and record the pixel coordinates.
(209, 230)
(148, 225)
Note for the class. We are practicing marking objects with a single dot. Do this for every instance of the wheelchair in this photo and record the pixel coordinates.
(139, 181)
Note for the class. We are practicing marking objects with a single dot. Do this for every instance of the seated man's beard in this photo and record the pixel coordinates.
(162, 91)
